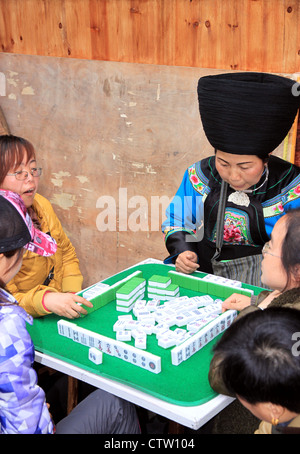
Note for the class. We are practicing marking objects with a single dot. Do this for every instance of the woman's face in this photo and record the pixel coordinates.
(239, 171)
(273, 273)
(25, 188)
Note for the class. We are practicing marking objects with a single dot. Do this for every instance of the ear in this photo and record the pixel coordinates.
(296, 274)
(297, 271)
(276, 411)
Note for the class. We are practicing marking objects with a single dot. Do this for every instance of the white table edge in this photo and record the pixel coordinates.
(190, 416)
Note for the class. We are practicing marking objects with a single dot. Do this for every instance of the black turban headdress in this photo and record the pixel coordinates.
(247, 113)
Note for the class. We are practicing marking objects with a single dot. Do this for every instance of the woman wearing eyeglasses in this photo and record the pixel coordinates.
(281, 272)
(280, 269)
(44, 284)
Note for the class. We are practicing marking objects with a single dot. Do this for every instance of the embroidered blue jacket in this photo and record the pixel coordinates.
(192, 214)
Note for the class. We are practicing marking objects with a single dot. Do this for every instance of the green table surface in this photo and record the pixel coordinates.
(186, 384)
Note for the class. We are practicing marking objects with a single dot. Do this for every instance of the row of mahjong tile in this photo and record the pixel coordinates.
(158, 286)
(201, 338)
(95, 290)
(222, 280)
(153, 318)
(103, 344)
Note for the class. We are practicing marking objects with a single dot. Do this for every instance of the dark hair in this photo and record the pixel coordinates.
(290, 255)
(17, 253)
(264, 159)
(260, 361)
(12, 149)
(14, 233)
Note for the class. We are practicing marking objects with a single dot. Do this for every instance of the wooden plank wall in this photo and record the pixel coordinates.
(116, 119)
(262, 35)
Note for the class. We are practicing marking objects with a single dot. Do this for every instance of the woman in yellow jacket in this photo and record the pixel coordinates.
(45, 284)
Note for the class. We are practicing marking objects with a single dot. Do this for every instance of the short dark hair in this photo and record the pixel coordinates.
(18, 253)
(259, 357)
(290, 255)
(12, 150)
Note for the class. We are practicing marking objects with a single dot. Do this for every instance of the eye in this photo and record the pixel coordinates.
(223, 164)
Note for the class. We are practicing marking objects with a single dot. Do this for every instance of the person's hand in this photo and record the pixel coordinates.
(236, 301)
(66, 304)
(186, 262)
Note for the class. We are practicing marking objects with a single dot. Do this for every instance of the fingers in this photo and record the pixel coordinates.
(187, 269)
(186, 262)
(80, 300)
(226, 306)
(230, 302)
(76, 308)
(67, 305)
(236, 302)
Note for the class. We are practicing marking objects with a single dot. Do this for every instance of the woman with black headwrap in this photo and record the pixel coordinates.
(227, 204)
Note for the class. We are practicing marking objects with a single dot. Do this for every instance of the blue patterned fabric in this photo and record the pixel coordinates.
(23, 408)
(191, 217)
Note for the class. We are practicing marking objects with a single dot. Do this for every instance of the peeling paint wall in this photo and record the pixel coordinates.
(114, 140)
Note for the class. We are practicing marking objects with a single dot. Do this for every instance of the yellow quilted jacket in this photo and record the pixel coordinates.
(27, 286)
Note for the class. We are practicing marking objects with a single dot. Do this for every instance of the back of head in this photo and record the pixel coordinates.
(260, 358)
(14, 233)
(17, 229)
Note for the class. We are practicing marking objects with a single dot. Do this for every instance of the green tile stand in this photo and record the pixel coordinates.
(110, 294)
(209, 288)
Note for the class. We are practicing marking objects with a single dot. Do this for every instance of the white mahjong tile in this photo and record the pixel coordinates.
(124, 335)
(76, 335)
(132, 324)
(179, 331)
(147, 327)
(120, 325)
(124, 308)
(125, 317)
(160, 327)
(138, 333)
(119, 349)
(95, 355)
(166, 341)
(152, 305)
(141, 342)
(176, 356)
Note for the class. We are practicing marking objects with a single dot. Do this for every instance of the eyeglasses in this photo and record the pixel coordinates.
(266, 250)
(23, 174)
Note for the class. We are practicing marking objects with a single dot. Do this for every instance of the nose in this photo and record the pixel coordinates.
(235, 175)
(29, 176)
